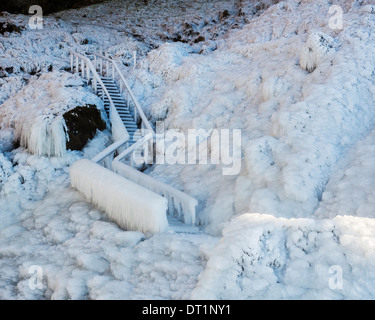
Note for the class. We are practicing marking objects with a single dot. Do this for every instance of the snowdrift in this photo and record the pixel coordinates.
(276, 258)
(131, 206)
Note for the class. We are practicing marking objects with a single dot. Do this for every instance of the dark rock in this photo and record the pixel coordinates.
(10, 28)
(82, 124)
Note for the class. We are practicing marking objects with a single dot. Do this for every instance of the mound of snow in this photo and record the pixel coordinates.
(276, 258)
(164, 60)
(36, 112)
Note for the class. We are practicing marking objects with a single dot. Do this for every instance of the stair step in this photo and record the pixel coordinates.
(109, 87)
(117, 95)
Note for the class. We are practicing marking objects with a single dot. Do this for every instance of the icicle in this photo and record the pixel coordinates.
(131, 206)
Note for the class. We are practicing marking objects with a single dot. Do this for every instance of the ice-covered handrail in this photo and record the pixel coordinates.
(135, 146)
(110, 150)
(179, 202)
(118, 128)
(121, 199)
(123, 81)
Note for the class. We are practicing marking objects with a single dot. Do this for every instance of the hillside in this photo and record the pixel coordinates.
(295, 221)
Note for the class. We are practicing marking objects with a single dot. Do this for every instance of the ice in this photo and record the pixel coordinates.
(318, 46)
(130, 205)
(34, 114)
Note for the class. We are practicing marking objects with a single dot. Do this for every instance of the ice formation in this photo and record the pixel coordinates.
(128, 204)
(35, 112)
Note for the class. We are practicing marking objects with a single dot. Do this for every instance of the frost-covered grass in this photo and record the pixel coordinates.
(296, 223)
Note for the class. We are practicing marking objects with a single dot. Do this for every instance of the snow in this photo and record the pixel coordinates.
(277, 258)
(34, 114)
(295, 223)
(125, 202)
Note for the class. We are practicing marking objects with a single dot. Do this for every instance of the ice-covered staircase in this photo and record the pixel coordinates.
(121, 106)
(111, 181)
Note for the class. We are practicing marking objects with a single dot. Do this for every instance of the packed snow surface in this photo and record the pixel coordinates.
(297, 222)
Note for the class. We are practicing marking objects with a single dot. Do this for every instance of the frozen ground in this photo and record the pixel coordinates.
(295, 223)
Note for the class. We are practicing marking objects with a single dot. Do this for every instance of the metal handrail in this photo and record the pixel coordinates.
(113, 114)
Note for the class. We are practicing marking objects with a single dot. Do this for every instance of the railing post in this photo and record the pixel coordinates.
(106, 68)
(77, 65)
(132, 159)
(71, 62)
(135, 114)
(101, 67)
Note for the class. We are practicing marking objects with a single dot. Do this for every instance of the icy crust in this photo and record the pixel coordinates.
(35, 113)
(276, 258)
(128, 204)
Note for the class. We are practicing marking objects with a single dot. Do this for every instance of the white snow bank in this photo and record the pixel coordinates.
(6, 168)
(128, 204)
(350, 190)
(276, 258)
(35, 113)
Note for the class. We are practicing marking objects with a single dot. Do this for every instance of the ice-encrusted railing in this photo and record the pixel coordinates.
(121, 161)
(180, 204)
(107, 67)
(83, 66)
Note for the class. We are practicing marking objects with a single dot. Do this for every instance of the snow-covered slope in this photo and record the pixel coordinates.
(295, 124)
